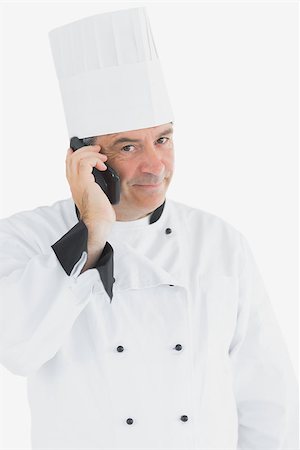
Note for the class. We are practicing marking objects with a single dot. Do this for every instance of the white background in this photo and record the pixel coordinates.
(231, 72)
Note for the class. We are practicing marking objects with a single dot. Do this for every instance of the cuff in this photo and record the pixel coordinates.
(105, 267)
(70, 247)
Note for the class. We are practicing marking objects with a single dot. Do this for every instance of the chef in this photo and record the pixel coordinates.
(143, 324)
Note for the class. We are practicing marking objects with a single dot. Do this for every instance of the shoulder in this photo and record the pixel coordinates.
(43, 223)
(202, 221)
(212, 243)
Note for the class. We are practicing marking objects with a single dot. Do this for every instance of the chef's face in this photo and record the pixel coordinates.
(142, 158)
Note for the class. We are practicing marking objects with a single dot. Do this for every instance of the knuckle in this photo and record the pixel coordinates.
(82, 163)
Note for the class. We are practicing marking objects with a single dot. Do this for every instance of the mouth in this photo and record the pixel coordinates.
(149, 186)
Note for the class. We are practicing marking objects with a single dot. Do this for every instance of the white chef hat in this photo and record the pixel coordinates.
(109, 74)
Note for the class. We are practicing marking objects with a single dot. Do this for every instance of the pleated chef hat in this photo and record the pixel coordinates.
(109, 74)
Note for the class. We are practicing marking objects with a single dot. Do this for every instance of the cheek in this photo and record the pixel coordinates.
(169, 160)
(124, 168)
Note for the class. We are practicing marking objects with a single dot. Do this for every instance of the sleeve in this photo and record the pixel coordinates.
(265, 384)
(39, 301)
(71, 246)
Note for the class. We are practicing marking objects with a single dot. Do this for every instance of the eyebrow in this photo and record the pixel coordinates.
(127, 139)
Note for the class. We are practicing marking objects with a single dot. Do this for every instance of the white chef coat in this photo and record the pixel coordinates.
(186, 355)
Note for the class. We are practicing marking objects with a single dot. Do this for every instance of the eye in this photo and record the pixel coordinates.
(162, 138)
(126, 147)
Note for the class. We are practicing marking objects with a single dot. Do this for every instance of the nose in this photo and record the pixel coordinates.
(152, 160)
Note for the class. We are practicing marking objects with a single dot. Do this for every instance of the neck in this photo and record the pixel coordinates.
(125, 215)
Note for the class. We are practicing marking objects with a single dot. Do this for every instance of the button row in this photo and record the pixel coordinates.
(177, 347)
(183, 418)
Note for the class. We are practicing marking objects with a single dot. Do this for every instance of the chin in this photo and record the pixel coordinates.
(153, 201)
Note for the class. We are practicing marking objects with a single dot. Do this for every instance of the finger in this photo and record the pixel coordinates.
(73, 161)
(85, 165)
(93, 148)
(85, 172)
(69, 152)
(77, 156)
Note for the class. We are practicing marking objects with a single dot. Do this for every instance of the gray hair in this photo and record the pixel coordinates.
(89, 140)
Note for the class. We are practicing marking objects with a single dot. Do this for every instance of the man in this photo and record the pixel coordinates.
(145, 165)
(143, 324)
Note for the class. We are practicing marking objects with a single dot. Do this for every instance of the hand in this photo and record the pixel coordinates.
(93, 204)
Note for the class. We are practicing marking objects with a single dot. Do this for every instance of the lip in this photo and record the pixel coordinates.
(149, 186)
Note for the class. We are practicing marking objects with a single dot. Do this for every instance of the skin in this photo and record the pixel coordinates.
(146, 162)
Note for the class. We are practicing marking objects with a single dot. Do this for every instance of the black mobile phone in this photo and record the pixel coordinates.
(108, 180)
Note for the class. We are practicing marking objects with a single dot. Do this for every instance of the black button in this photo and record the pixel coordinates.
(171, 284)
(178, 347)
(129, 421)
(120, 348)
(114, 279)
(184, 418)
(168, 231)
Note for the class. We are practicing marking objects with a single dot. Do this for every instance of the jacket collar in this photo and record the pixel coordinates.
(153, 217)
(143, 271)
